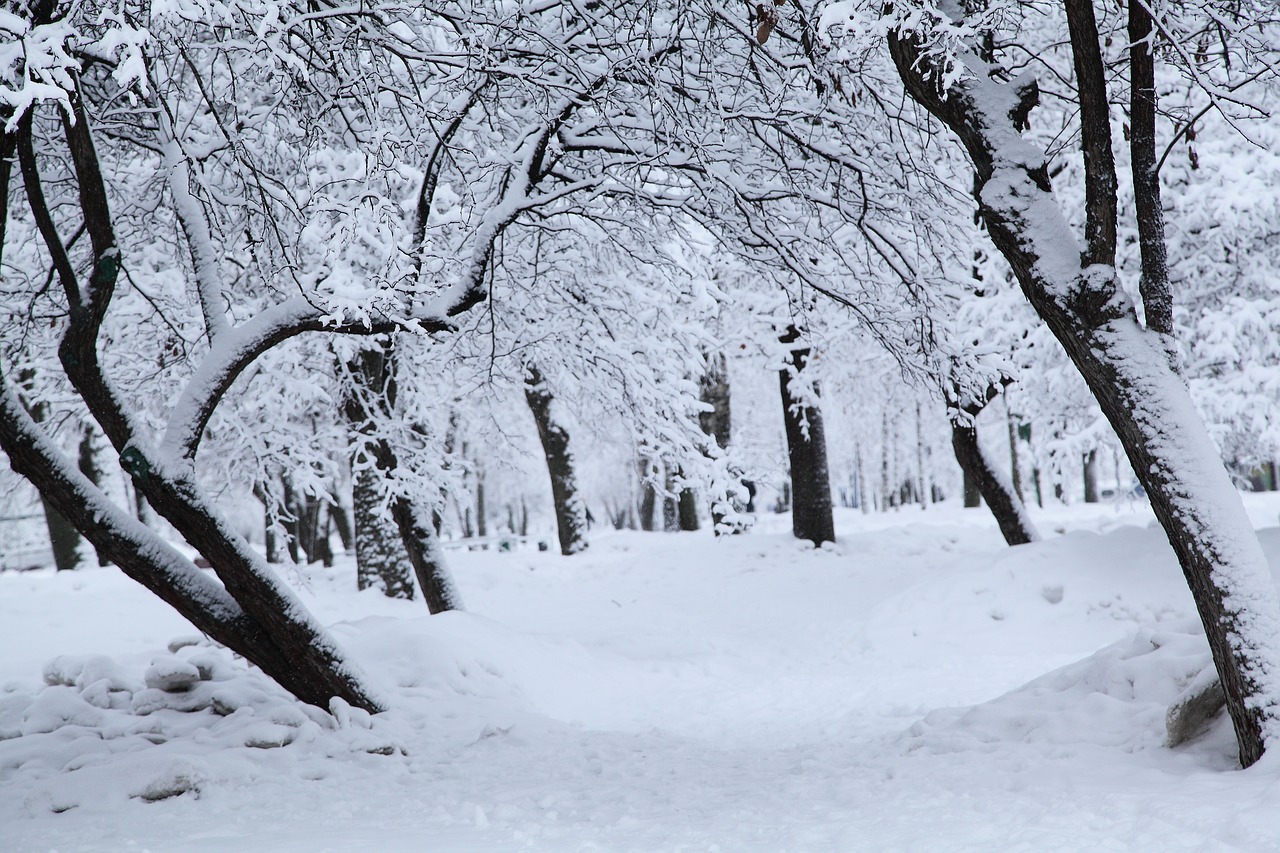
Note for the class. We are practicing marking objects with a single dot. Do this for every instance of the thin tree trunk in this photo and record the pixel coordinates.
(648, 496)
(64, 539)
(1015, 468)
(482, 527)
(1157, 297)
(571, 516)
(670, 503)
(90, 468)
(1091, 477)
(341, 514)
(921, 477)
(807, 447)
(885, 472)
(864, 500)
(688, 509)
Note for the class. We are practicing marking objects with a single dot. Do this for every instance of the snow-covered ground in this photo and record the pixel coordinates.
(918, 687)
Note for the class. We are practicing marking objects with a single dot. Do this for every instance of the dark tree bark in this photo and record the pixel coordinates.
(64, 539)
(571, 515)
(341, 514)
(482, 526)
(1091, 477)
(972, 494)
(1157, 297)
(807, 447)
(1000, 497)
(964, 404)
(1126, 367)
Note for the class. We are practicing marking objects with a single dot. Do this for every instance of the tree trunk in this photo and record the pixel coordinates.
(64, 539)
(864, 501)
(670, 503)
(921, 476)
(1015, 468)
(571, 516)
(89, 466)
(648, 496)
(717, 423)
(341, 514)
(381, 558)
(1009, 512)
(482, 526)
(807, 447)
(379, 553)
(1091, 477)
(1126, 367)
(972, 494)
(688, 510)
(886, 475)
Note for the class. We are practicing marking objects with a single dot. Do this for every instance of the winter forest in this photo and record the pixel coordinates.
(585, 425)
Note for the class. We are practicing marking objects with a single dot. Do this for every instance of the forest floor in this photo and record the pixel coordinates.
(917, 687)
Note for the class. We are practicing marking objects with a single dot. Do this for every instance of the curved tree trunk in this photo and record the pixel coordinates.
(811, 516)
(1010, 514)
(571, 515)
(1075, 291)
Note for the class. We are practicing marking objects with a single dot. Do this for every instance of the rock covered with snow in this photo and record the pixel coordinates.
(172, 675)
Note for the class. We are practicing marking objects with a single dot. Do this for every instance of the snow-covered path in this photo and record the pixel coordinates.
(671, 692)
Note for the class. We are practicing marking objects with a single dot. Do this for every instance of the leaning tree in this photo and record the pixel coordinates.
(1130, 366)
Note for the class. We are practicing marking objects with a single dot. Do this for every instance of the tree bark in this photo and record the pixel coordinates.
(1157, 297)
(1126, 368)
(1091, 477)
(648, 496)
(964, 403)
(571, 516)
(688, 509)
(64, 539)
(382, 561)
(972, 494)
(811, 516)
(88, 463)
(998, 492)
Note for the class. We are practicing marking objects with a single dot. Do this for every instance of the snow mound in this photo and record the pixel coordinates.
(1117, 698)
(96, 734)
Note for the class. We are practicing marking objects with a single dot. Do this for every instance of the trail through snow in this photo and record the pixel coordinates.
(916, 687)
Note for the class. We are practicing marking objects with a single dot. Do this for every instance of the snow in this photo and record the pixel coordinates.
(916, 686)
